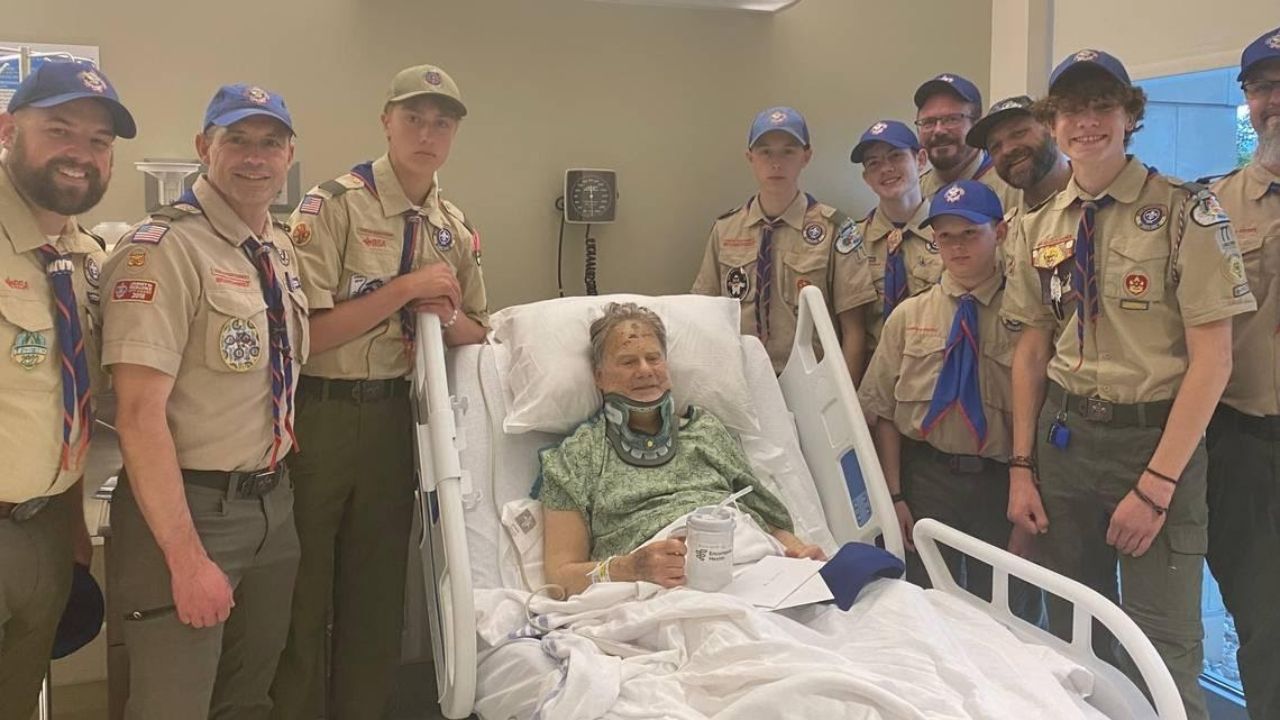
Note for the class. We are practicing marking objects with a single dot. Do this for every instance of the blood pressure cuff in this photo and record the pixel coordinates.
(855, 565)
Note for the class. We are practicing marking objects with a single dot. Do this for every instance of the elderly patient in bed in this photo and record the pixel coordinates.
(636, 467)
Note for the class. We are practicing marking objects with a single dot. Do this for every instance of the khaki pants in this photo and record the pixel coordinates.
(354, 486)
(177, 672)
(35, 580)
(1244, 551)
(1080, 488)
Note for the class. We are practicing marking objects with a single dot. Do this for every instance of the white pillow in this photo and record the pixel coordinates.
(545, 361)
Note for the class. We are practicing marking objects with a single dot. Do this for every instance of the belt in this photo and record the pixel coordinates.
(1266, 427)
(244, 485)
(1105, 412)
(958, 464)
(355, 390)
(23, 511)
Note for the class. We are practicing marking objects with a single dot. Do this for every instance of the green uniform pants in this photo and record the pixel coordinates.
(35, 579)
(354, 486)
(1244, 550)
(1080, 487)
(177, 672)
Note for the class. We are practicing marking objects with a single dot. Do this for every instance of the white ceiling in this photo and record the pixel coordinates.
(751, 5)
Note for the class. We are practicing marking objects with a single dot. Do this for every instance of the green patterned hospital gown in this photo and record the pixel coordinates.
(625, 505)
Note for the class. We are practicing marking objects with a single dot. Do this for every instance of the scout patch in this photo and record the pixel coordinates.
(301, 234)
(736, 284)
(149, 234)
(94, 297)
(363, 285)
(1227, 240)
(801, 284)
(29, 349)
(444, 239)
(433, 78)
(226, 277)
(954, 194)
(1051, 253)
(1233, 267)
(848, 238)
(931, 245)
(878, 128)
(1208, 212)
(1151, 217)
(134, 291)
(1240, 290)
(137, 258)
(1134, 305)
(1273, 42)
(311, 204)
(293, 282)
(240, 344)
(813, 233)
(371, 238)
(1136, 283)
(738, 242)
(284, 256)
(1012, 325)
(257, 95)
(93, 81)
(92, 273)
(16, 283)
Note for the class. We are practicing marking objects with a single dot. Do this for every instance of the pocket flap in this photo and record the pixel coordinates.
(32, 314)
(805, 262)
(1141, 248)
(1188, 539)
(737, 256)
(237, 304)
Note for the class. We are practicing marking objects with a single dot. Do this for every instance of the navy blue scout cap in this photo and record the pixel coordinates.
(55, 82)
(233, 103)
(948, 82)
(1090, 59)
(890, 132)
(1264, 48)
(968, 199)
(788, 120)
(82, 618)
(1003, 110)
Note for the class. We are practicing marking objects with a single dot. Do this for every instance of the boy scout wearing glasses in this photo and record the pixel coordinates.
(946, 108)
(765, 252)
(1137, 276)
(58, 134)
(376, 245)
(1244, 437)
(204, 330)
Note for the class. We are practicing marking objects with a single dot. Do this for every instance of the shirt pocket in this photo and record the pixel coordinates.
(922, 357)
(996, 375)
(365, 271)
(1136, 269)
(237, 335)
(801, 269)
(1254, 256)
(27, 333)
(738, 273)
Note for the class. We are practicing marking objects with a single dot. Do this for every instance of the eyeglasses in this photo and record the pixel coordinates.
(951, 121)
(1255, 89)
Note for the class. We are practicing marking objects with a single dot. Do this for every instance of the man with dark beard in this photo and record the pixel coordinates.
(1244, 435)
(1023, 152)
(57, 136)
(946, 108)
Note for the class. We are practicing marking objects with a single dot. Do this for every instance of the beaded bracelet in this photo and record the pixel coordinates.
(452, 319)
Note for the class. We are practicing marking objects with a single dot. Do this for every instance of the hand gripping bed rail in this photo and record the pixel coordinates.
(446, 564)
(1117, 697)
(834, 435)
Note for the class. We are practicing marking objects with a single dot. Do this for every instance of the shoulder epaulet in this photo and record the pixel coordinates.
(280, 224)
(1195, 189)
(1042, 203)
(1211, 179)
(96, 238)
(730, 213)
(333, 187)
(839, 218)
(456, 213)
(175, 212)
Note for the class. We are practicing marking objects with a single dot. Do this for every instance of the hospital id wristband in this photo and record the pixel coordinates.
(600, 573)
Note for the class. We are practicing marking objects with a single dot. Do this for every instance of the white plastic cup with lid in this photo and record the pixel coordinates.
(708, 564)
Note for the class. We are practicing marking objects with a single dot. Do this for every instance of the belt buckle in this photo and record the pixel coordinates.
(368, 390)
(1098, 410)
(24, 511)
(256, 484)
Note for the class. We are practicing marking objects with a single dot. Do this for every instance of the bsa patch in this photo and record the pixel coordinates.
(848, 238)
(931, 245)
(137, 258)
(1273, 42)
(738, 242)
(240, 344)
(1151, 217)
(433, 77)
(16, 283)
(301, 234)
(777, 117)
(1136, 283)
(94, 297)
(954, 194)
(292, 281)
(444, 239)
(813, 233)
(311, 204)
(149, 234)
(233, 279)
(1086, 56)
(736, 284)
(363, 285)
(878, 128)
(134, 291)
(29, 349)
(1208, 212)
(257, 95)
(92, 273)
(93, 81)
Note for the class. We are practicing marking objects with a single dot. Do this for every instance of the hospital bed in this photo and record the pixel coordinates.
(468, 468)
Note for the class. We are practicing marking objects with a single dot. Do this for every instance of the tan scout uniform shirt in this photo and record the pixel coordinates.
(1254, 388)
(349, 237)
(1165, 259)
(924, 265)
(904, 370)
(183, 297)
(31, 376)
(803, 253)
(980, 169)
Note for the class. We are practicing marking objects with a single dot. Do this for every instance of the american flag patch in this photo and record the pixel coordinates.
(311, 205)
(149, 234)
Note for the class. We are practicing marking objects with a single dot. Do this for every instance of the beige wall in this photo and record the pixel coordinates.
(662, 95)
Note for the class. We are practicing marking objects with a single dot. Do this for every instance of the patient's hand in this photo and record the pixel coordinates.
(660, 562)
(805, 550)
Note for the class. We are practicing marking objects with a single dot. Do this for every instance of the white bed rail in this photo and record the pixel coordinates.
(446, 564)
(1118, 698)
(834, 435)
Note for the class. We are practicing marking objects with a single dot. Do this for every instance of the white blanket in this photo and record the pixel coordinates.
(631, 650)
